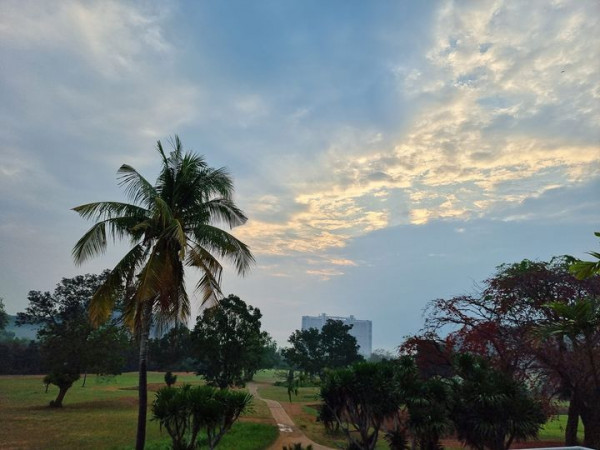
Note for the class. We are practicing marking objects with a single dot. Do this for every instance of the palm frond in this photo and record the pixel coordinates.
(137, 188)
(103, 300)
(94, 241)
(225, 211)
(216, 240)
(108, 210)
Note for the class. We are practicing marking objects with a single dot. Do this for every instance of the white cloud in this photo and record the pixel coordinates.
(507, 107)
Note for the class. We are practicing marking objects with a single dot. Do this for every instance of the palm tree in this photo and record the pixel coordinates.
(170, 225)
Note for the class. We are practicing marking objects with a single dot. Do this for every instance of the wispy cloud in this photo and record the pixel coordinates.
(506, 107)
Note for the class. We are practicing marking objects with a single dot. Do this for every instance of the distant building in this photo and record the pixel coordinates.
(361, 329)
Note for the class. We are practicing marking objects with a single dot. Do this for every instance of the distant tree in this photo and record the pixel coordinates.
(313, 350)
(340, 348)
(3, 316)
(20, 356)
(186, 411)
(380, 354)
(228, 343)
(271, 357)
(170, 379)
(68, 343)
(306, 352)
(491, 410)
(172, 351)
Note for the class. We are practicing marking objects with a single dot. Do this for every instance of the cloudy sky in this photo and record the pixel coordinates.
(386, 153)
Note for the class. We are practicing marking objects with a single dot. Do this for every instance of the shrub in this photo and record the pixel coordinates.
(186, 411)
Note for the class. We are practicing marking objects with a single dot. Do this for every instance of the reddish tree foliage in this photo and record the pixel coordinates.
(503, 322)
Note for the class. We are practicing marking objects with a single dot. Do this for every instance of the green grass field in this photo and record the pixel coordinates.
(102, 415)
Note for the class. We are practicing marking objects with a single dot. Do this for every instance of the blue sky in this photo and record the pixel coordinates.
(386, 153)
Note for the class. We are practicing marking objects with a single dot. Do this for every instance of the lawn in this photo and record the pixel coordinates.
(102, 414)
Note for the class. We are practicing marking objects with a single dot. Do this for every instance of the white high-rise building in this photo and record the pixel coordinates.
(361, 329)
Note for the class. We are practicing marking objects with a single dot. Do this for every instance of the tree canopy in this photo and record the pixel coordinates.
(228, 343)
(313, 350)
(69, 343)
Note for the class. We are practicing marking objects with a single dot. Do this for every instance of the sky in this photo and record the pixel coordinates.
(386, 153)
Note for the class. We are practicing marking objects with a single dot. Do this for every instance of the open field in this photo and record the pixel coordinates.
(102, 415)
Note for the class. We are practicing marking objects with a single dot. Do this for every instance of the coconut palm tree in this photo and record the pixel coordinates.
(170, 225)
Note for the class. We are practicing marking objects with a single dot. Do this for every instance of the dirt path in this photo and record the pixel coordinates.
(288, 431)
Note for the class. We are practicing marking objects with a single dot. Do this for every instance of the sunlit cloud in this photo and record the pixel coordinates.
(507, 108)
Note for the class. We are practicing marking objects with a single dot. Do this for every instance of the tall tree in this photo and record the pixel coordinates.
(228, 342)
(170, 225)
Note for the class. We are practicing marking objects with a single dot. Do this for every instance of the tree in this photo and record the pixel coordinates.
(187, 410)
(499, 323)
(170, 225)
(68, 343)
(306, 352)
(586, 269)
(170, 379)
(332, 347)
(339, 346)
(577, 327)
(228, 343)
(360, 398)
(172, 351)
(490, 409)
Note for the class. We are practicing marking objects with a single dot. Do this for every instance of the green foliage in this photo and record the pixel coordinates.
(170, 379)
(586, 269)
(312, 350)
(360, 398)
(185, 412)
(69, 345)
(228, 343)
(490, 409)
(172, 351)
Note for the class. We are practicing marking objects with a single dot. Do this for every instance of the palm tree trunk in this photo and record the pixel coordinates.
(143, 378)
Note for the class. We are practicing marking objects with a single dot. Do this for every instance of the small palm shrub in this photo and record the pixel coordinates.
(170, 379)
(187, 411)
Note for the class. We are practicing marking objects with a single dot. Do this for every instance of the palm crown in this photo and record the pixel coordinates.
(170, 225)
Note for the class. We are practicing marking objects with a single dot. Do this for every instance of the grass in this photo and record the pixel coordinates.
(554, 430)
(103, 414)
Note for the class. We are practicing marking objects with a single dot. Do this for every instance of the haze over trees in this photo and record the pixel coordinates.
(170, 225)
